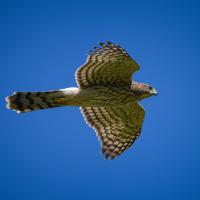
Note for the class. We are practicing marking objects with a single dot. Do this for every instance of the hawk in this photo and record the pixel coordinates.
(106, 94)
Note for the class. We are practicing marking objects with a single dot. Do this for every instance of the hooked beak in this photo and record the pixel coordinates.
(154, 92)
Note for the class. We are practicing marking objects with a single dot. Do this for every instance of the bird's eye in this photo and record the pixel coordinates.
(150, 88)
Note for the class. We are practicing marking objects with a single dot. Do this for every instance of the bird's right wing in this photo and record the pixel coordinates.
(109, 64)
(116, 127)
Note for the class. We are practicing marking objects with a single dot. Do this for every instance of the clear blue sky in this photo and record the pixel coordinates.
(52, 154)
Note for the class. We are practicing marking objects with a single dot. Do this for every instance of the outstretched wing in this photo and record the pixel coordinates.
(116, 127)
(106, 65)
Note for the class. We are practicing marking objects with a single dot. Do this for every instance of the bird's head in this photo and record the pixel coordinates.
(143, 90)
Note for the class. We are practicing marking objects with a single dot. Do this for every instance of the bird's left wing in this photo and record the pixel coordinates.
(116, 127)
(108, 64)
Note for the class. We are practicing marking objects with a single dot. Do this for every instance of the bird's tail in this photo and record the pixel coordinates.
(30, 101)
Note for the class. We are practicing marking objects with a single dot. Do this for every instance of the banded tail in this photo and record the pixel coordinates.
(30, 101)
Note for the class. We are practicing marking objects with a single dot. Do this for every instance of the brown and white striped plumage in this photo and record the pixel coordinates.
(107, 97)
(28, 101)
(116, 127)
(106, 65)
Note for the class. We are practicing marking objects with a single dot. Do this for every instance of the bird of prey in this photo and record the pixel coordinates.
(107, 96)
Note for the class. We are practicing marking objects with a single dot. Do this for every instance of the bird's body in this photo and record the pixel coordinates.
(106, 94)
(95, 96)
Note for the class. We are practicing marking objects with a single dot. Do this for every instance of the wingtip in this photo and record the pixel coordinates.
(108, 155)
(106, 43)
(101, 44)
(109, 43)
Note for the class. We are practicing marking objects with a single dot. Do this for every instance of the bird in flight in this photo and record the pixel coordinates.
(106, 94)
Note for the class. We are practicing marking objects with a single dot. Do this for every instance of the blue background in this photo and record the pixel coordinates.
(53, 154)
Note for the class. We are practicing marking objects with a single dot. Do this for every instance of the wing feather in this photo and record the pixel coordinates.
(106, 65)
(116, 127)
